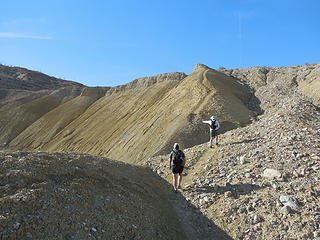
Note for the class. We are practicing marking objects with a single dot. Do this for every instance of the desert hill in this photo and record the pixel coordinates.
(28, 95)
(134, 121)
(21, 85)
(304, 79)
(260, 182)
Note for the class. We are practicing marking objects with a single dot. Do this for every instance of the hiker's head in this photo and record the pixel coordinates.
(176, 146)
(212, 117)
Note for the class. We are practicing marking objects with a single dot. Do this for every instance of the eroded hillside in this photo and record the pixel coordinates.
(20, 85)
(262, 180)
(26, 95)
(304, 79)
(137, 120)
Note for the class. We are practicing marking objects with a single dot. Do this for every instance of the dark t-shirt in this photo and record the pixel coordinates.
(172, 155)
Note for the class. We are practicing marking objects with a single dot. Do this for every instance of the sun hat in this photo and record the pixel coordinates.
(176, 146)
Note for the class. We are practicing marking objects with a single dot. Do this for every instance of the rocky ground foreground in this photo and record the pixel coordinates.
(78, 196)
(261, 181)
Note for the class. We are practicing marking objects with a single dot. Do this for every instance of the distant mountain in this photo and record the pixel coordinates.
(24, 79)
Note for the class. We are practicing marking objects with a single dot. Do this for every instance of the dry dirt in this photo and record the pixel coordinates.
(241, 183)
(228, 184)
(78, 196)
(260, 182)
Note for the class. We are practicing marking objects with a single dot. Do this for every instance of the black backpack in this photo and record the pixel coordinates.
(177, 158)
(213, 124)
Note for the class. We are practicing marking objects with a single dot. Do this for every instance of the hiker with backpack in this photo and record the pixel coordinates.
(214, 126)
(177, 163)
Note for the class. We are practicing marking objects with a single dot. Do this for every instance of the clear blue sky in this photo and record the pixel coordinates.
(108, 43)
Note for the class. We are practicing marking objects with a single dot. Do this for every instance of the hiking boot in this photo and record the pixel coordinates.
(179, 187)
(217, 144)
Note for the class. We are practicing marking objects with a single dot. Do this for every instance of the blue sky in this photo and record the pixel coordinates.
(109, 43)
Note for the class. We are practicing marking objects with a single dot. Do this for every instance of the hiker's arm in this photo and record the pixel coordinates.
(209, 122)
(170, 162)
(184, 162)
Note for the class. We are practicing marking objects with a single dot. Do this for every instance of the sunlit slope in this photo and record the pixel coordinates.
(21, 115)
(266, 79)
(310, 84)
(140, 120)
(45, 128)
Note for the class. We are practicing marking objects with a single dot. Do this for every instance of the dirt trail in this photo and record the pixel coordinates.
(194, 224)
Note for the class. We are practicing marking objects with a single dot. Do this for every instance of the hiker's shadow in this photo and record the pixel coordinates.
(235, 189)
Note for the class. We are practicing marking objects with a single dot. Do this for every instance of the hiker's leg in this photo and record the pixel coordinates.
(211, 141)
(180, 179)
(217, 139)
(175, 180)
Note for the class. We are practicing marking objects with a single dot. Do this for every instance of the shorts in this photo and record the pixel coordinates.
(213, 133)
(177, 169)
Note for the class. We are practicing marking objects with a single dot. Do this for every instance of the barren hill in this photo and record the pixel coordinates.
(136, 120)
(28, 95)
(20, 84)
(260, 182)
(22, 78)
(146, 116)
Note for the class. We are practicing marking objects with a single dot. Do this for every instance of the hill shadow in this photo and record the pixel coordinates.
(196, 225)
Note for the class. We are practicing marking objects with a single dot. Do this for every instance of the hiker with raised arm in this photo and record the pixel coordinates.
(177, 163)
(214, 126)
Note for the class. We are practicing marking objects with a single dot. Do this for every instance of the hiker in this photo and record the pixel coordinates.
(214, 126)
(177, 163)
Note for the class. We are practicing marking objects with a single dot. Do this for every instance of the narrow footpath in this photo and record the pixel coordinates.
(195, 224)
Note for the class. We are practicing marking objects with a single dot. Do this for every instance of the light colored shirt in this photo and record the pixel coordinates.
(217, 124)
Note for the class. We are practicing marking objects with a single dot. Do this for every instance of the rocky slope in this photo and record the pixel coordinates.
(77, 196)
(262, 180)
(305, 78)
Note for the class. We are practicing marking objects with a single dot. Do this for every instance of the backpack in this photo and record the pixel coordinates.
(177, 158)
(214, 124)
